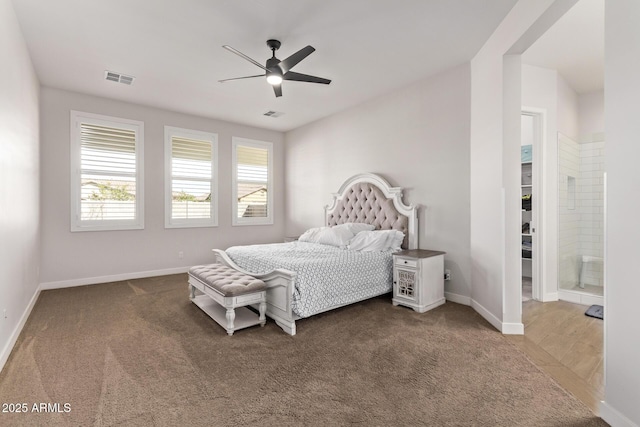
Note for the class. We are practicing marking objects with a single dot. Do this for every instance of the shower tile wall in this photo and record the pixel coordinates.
(591, 202)
(581, 204)
(569, 215)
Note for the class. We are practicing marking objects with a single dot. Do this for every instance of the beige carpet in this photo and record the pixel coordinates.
(139, 353)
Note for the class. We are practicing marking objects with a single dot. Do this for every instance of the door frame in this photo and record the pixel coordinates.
(538, 263)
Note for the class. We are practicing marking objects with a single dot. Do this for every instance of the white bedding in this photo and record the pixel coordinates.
(327, 276)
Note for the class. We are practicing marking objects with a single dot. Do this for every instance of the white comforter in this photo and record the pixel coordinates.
(327, 276)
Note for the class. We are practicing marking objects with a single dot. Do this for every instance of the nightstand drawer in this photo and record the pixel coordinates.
(406, 262)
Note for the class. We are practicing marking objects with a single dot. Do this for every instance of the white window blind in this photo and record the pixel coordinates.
(106, 189)
(108, 173)
(191, 197)
(252, 165)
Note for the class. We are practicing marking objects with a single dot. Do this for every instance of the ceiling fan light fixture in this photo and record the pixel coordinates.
(274, 79)
(277, 70)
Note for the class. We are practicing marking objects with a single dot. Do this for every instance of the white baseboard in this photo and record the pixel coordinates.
(550, 296)
(505, 328)
(6, 351)
(513, 328)
(113, 278)
(582, 298)
(458, 299)
(488, 316)
(613, 417)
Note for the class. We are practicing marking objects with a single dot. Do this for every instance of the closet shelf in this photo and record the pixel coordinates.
(526, 215)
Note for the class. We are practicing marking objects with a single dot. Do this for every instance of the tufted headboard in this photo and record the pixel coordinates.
(368, 198)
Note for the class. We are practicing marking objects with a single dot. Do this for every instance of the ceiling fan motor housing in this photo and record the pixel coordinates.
(273, 62)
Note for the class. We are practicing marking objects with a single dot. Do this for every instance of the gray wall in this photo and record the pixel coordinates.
(496, 102)
(622, 292)
(90, 257)
(417, 138)
(19, 180)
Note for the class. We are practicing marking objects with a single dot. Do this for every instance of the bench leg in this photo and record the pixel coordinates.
(231, 315)
(192, 292)
(263, 310)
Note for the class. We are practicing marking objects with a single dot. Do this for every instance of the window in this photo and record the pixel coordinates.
(191, 189)
(252, 182)
(106, 173)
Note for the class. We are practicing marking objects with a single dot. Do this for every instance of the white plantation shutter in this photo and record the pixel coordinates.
(252, 184)
(106, 170)
(191, 196)
(108, 173)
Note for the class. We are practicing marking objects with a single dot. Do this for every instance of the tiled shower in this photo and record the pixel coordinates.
(581, 217)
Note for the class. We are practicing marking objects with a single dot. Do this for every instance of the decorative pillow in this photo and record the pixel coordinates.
(377, 241)
(334, 236)
(356, 227)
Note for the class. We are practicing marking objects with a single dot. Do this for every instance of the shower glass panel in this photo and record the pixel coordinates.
(581, 215)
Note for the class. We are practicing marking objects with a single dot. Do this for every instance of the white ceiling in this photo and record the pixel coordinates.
(574, 46)
(173, 48)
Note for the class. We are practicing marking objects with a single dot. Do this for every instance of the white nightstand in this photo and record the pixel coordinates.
(418, 279)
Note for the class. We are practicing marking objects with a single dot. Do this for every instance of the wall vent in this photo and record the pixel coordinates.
(119, 78)
(273, 114)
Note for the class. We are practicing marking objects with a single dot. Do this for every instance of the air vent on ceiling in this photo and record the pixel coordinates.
(118, 78)
(273, 114)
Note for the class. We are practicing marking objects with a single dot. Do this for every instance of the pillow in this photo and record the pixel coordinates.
(377, 241)
(356, 227)
(311, 235)
(334, 236)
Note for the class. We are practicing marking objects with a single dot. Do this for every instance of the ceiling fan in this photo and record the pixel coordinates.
(276, 70)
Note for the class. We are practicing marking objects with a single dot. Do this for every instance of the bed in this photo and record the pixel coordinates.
(304, 279)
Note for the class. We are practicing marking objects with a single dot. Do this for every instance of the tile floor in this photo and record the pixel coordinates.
(566, 344)
(527, 287)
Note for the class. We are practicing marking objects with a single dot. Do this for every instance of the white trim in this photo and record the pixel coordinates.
(605, 297)
(458, 299)
(488, 316)
(550, 296)
(6, 351)
(268, 220)
(614, 417)
(75, 199)
(394, 193)
(513, 328)
(539, 238)
(578, 297)
(111, 278)
(504, 328)
(169, 222)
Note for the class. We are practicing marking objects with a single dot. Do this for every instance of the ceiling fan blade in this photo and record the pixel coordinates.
(278, 90)
(240, 78)
(242, 55)
(305, 78)
(288, 63)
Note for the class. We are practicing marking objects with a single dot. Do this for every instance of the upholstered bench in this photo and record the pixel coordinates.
(224, 293)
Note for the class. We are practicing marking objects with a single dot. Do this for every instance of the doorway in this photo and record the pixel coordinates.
(532, 134)
(571, 90)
